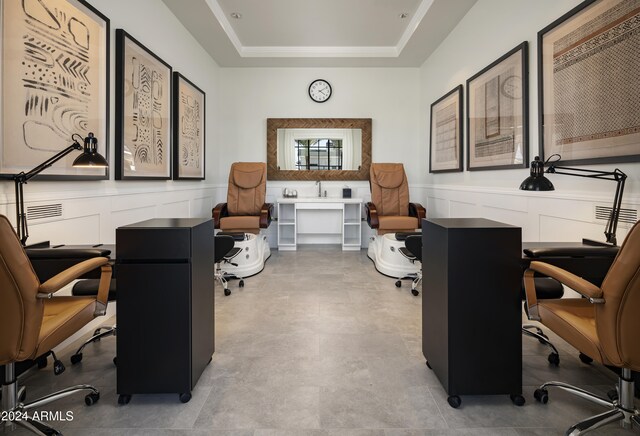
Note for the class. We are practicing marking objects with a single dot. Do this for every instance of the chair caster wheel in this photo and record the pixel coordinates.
(415, 292)
(613, 395)
(184, 398)
(398, 284)
(241, 283)
(585, 359)
(42, 362)
(227, 292)
(541, 396)
(58, 367)
(454, 401)
(517, 399)
(124, 399)
(115, 361)
(554, 359)
(76, 358)
(91, 399)
(429, 365)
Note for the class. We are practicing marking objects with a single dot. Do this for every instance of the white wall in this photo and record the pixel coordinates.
(490, 29)
(92, 210)
(248, 96)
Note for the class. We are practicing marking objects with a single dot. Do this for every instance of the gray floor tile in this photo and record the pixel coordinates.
(320, 344)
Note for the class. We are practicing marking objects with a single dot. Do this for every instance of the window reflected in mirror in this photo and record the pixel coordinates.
(319, 149)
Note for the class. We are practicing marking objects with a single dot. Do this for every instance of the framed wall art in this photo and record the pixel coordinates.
(589, 83)
(445, 144)
(54, 84)
(189, 129)
(498, 115)
(143, 105)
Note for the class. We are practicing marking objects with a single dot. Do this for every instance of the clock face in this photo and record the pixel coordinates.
(320, 91)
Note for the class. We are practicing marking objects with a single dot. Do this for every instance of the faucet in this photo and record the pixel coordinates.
(319, 183)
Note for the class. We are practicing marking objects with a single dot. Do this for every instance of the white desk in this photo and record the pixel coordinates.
(319, 220)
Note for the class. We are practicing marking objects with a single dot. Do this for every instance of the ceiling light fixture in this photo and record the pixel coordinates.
(236, 15)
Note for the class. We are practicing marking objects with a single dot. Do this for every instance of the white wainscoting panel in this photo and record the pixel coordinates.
(547, 216)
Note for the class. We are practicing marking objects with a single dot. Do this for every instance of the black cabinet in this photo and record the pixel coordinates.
(165, 305)
(471, 315)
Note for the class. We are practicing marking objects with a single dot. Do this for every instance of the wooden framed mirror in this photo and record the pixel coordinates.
(318, 148)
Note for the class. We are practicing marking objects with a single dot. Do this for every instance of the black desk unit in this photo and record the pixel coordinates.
(471, 315)
(165, 305)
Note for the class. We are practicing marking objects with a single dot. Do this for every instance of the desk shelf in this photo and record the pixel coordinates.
(319, 221)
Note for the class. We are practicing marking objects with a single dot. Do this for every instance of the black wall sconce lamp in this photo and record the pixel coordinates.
(538, 182)
(90, 158)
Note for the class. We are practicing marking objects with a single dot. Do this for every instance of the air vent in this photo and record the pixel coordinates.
(629, 216)
(45, 211)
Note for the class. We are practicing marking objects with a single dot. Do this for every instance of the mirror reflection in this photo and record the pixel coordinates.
(319, 149)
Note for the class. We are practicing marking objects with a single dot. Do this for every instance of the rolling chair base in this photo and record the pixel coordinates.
(99, 333)
(17, 411)
(620, 403)
(554, 356)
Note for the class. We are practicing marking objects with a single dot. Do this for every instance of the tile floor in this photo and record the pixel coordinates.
(321, 344)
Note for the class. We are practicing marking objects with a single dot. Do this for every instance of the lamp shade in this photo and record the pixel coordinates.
(537, 181)
(90, 158)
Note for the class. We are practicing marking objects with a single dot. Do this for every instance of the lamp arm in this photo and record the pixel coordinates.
(617, 176)
(21, 178)
(612, 224)
(24, 177)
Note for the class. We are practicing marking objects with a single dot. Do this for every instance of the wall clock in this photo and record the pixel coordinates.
(320, 90)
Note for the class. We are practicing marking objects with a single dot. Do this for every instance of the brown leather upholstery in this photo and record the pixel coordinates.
(247, 188)
(31, 326)
(390, 210)
(389, 189)
(245, 209)
(607, 328)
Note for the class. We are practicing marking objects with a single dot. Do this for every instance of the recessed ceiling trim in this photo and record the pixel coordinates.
(225, 24)
(423, 7)
(318, 52)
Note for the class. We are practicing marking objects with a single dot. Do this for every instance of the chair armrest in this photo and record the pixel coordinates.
(372, 215)
(578, 284)
(57, 282)
(266, 212)
(583, 251)
(218, 212)
(416, 210)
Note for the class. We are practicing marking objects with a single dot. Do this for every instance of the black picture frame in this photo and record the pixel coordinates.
(509, 109)
(590, 125)
(441, 129)
(59, 97)
(189, 142)
(143, 104)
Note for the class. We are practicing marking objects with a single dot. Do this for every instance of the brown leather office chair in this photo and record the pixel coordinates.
(33, 320)
(389, 210)
(603, 325)
(245, 209)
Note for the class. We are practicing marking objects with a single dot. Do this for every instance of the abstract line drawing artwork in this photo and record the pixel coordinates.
(189, 129)
(497, 113)
(589, 83)
(54, 84)
(143, 101)
(445, 145)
